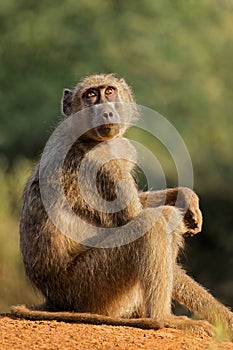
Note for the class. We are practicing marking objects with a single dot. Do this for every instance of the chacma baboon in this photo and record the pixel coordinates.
(132, 283)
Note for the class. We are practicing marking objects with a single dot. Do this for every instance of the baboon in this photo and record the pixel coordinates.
(134, 282)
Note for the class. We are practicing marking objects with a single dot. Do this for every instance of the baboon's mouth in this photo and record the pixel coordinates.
(108, 129)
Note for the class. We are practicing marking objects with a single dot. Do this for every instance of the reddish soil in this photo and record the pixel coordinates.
(16, 334)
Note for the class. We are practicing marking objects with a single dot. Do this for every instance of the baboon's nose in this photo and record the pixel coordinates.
(108, 115)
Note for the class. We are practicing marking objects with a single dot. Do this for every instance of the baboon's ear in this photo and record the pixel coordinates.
(66, 106)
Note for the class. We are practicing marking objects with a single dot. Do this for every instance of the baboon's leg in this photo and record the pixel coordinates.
(96, 282)
(156, 271)
(189, 293)
(99, 280)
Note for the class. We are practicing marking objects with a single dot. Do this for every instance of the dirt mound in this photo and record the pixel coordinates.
(16, 334)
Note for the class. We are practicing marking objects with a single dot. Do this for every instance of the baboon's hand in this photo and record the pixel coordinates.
(181, 197)
(193, 216)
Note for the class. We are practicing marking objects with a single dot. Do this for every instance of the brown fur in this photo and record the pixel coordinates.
(138, 279)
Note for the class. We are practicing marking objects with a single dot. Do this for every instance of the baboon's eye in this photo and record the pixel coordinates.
(109, 90)
(91, 93)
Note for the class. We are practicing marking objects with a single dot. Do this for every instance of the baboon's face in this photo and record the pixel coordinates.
(104, 110)
(99, 96)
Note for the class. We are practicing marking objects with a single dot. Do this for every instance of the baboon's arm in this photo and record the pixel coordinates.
(181, 197)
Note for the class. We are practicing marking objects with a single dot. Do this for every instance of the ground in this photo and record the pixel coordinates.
(16, 334)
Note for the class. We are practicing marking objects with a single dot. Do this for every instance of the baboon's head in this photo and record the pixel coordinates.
(108, 100)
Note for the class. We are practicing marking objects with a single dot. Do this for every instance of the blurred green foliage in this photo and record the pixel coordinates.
(177, 56)
(14, 286)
